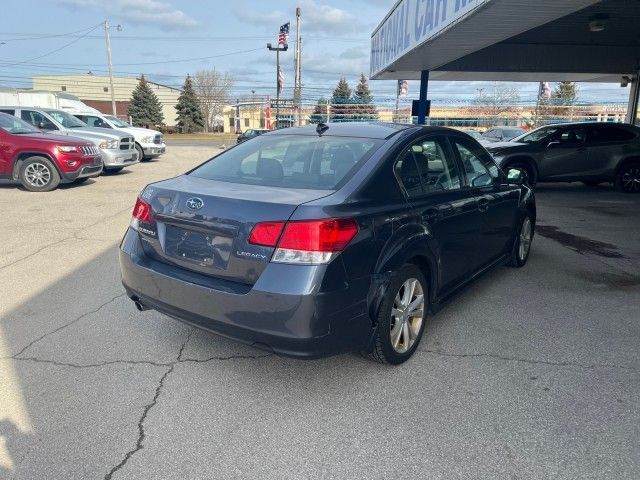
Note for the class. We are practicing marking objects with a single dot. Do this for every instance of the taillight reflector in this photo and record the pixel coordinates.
(266, 233)
(142, 211)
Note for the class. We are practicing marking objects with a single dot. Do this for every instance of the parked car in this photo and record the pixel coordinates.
(311, 241)
(501, 134)
(472, 133)
(40, 161)
(117, 148)
(148, 143)
(589, 152)
(251, 133)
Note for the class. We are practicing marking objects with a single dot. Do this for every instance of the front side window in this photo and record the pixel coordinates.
(16, 126)
(37, 119)
(424, 167)
(537, 135)
(117, 122)
(293, 161)
(479, 169)
(94, 121)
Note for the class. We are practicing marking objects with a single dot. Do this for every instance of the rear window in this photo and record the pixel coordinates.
(293, 161)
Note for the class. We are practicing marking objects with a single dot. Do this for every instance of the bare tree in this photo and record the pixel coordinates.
(213, 89)
(494, 102)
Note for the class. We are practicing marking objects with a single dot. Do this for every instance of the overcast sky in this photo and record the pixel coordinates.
(166, 39)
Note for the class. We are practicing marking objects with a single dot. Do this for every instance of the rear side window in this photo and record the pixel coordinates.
(8, 111)
(610, 134)
(424, 167)
(293, 161)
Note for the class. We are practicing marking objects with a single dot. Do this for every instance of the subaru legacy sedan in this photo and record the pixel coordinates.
(318, 240)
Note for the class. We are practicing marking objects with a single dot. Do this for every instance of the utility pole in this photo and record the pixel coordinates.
(107, 38)
(277, 49)
(297, 94)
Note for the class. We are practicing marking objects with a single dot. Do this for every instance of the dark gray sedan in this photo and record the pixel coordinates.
(312, 241)
(589, 152)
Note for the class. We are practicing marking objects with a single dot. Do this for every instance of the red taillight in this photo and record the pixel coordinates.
(266, 233)
(318, 235)
(142, 211)
(308, 235)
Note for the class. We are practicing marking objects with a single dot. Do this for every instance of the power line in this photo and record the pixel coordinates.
(53, 51)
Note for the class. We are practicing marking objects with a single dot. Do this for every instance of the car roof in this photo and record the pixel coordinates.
(378, 130)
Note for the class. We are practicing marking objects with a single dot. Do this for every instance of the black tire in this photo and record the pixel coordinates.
(110, 171)
(39, 174)
(532, 176)
(628, 178)
(383, 350)
(519, 258)
(140, 153)
(591, 183)
(78, 181)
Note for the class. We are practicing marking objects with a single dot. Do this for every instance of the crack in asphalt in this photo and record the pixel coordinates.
(77, 319)
(141, 432)
(527, 360)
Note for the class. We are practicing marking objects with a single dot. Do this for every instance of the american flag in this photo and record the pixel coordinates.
(283, 36)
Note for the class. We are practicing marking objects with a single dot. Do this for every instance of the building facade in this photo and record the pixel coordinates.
(95, 91)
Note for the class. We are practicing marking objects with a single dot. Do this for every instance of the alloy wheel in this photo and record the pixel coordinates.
(37, 174)
(631, 179)
(407, 315)
(525, 239)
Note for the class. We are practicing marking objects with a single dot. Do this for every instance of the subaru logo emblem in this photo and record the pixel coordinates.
(195, 203)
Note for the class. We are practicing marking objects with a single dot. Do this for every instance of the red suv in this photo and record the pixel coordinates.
(41, 161)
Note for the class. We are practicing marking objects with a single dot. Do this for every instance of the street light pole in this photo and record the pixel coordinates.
(278, 49)
(107, 38)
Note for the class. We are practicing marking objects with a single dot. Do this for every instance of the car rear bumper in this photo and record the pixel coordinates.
(284, 312)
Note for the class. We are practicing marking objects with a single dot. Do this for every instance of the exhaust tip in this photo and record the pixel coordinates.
(139, 305)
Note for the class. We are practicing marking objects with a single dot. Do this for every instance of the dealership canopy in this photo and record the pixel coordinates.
(509, 40)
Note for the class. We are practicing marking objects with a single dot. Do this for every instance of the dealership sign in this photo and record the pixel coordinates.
(411, 23)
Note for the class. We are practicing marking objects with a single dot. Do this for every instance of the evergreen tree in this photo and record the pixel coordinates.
(144, 106)
(190, 118)
(341, 108)
(319, 114)
(365, 109)
(563, 99)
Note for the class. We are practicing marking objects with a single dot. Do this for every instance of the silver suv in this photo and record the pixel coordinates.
(117, 149)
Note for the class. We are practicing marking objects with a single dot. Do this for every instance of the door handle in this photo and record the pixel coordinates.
(483, 204)
(431, 215)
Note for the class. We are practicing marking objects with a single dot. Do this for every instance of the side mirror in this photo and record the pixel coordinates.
(553, 143)
(516, 176)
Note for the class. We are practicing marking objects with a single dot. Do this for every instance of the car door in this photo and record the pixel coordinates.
(604, 143)
(6, 153)
(496, 202)
(38, 120)
(430, 177)
(565, 155)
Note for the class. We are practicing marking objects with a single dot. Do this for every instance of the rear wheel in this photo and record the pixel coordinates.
(522, 244)
(532, 176)
(38, 174)
(628, 178)
(401, 318)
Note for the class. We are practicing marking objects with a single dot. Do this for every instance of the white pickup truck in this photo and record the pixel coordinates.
(149, 143)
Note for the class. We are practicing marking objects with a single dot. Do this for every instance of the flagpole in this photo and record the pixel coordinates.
(278, 49)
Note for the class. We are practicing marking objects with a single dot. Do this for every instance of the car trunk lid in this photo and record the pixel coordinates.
(204, 225)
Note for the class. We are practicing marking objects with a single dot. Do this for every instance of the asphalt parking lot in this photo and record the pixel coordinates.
(530, 373)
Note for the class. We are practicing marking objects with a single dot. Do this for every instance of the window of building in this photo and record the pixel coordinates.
(246, 122)
(232, 122)
(63, 88)
(106, 89)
